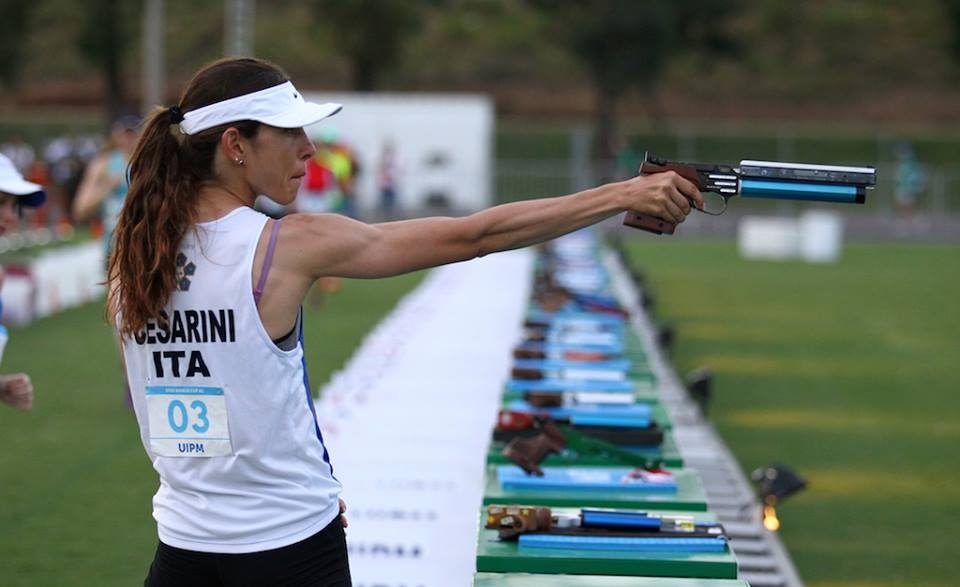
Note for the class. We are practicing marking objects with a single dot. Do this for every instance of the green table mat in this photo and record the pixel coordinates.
(496, 556)
(540, 580)
(657, 412)
(667, 451)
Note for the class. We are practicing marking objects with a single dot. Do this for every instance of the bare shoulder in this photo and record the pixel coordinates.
(314, 228)
(316, 242)
(304, 224)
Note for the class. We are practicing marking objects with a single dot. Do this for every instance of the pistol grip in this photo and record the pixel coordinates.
(527, 374)
(648, 223)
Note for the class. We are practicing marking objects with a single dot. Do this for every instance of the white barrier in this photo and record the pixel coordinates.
(815, 237)
(55, 280)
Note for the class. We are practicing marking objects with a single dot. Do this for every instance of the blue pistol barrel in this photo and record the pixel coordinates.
(804, 181)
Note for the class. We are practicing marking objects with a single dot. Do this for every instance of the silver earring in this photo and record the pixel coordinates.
(240, 162)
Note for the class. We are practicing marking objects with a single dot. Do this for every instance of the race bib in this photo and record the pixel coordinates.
(188, 421)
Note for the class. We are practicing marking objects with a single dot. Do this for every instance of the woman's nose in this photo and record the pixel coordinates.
(309, 150)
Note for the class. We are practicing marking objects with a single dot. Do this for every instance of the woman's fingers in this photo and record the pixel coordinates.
(690, 192)
(670, 196)
(673, 212)
(681, 201)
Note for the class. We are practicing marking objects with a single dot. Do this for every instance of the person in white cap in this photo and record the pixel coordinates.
(15, 194)
(206, 294)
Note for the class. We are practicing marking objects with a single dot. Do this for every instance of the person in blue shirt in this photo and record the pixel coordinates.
(15, 194)
(104, 184)
(104, 188)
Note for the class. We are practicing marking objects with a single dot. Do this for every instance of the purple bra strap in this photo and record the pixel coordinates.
(267, 261)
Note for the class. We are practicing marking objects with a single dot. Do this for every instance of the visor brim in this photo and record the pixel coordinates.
(303, 115)
(30, 194)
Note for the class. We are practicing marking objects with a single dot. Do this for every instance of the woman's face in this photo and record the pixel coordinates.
(9, 218)
(276, 163)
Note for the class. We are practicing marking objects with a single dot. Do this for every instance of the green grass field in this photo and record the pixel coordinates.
(845, 372)
(75, 484)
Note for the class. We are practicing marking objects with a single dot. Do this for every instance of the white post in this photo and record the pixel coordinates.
(239, 16)
(152, 77)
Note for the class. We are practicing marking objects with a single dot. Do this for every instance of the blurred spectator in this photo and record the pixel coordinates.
(320, 190)
(104, 184)
(64, 158)
(104, 187)
(20, 153)
(909, 181)
(387, 172)
(37, 173)
(15, 194)
(337, 157)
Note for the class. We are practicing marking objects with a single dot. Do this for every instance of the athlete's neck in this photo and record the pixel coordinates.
(217, 200)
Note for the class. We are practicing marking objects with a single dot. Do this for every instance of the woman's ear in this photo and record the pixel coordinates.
(232, 144)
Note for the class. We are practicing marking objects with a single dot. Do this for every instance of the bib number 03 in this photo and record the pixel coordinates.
(188, 421)
(179, 419)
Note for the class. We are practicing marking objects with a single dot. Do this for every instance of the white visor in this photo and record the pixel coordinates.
(281, 106)
(11, 182)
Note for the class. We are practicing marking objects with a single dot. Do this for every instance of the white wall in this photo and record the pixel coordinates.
(53, 281)
(457, 126)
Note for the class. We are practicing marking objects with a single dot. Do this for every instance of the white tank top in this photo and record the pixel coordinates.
(225, 415)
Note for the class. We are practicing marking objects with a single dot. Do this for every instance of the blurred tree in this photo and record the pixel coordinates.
(369, 33)
(627, 44)
(104, 38)
(953, 16)
(14, 27)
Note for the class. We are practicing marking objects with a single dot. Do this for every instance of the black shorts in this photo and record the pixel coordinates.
(318, 561)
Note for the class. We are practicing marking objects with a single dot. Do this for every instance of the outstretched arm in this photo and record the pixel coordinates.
(334, 245)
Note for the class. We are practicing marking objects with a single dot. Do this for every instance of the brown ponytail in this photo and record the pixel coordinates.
(166, 171)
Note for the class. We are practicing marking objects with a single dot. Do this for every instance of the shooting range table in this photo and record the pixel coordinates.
(531, 580)
(667, 451)
(644, 394)
(689, 496)
(498, 556)
(658, 413)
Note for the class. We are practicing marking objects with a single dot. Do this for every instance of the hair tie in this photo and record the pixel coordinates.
(176, 114)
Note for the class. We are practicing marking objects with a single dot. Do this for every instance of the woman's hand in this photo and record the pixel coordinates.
(665, 195)
(343, 509)
(17, 391)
